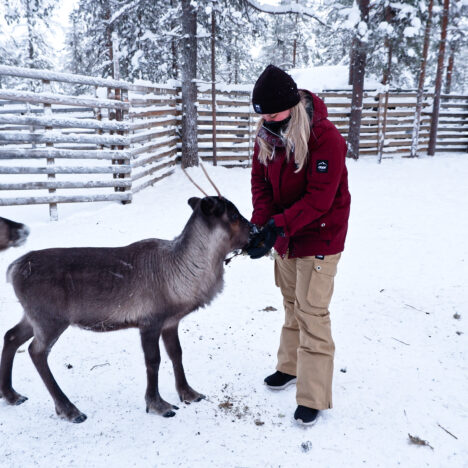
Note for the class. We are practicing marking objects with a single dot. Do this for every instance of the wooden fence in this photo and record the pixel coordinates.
(390, 121)
(116, 138)
(57, 147)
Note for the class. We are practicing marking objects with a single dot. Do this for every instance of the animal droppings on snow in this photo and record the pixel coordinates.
(306, 446)
(417, 441)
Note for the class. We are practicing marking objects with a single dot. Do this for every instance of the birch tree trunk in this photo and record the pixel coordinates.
(189, 86)
(422, 75)
(359, 69)
(438, 81)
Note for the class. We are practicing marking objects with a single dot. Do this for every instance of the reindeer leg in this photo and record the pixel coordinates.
(150, 344)
(171, 340)
(44, 339)
(14, 338)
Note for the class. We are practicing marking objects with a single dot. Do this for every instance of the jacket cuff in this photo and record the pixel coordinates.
(259, 220)
(280, 221)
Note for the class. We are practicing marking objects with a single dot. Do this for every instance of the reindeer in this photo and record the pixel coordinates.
(12, 234)
(151, 285)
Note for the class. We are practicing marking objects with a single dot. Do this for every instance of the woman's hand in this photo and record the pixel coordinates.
(262, 242)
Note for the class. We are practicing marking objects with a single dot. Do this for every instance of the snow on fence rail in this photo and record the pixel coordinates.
(60, 146)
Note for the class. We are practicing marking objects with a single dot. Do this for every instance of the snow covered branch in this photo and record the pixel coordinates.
(122, 11)
(286, 9)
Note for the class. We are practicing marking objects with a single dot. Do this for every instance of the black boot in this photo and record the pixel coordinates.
(306, 416)
(279, 380)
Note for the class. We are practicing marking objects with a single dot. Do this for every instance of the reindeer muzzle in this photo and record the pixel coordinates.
(19, 236)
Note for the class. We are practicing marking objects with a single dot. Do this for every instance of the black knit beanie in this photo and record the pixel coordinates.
(274, 91)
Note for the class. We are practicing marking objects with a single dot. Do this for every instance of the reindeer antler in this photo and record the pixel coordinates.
(211, 182)
(193, 182)
(208, 177)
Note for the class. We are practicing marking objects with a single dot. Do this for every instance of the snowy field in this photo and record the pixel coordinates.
(401, 353)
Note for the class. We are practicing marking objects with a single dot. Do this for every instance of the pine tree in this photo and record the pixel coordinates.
(358, 70)
(422, 75)
(27, 41)
(91, 37)
(189, 87)
(438, 80)
(457, 42)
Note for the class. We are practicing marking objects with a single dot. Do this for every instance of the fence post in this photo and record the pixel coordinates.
(121, 117)
(118, 114)
(382, 124)
(213, 82)
(213, 124)
(53, 211)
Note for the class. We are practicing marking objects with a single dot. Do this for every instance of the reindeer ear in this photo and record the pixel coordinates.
(193, 202)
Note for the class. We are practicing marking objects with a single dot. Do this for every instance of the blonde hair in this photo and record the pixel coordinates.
(296, 137)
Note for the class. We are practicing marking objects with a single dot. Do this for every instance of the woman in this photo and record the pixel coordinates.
(301, 205)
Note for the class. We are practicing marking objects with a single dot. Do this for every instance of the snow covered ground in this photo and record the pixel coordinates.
(401, 358)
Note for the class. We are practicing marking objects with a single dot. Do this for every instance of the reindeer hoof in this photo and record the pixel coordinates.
(161, 407)
(20, 400)
(79, 419)
(13, 398)
(189, 395)
(71, 413)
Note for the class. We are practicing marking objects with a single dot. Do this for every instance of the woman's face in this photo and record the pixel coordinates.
(278, 116)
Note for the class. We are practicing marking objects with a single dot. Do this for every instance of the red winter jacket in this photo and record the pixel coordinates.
(312, 206)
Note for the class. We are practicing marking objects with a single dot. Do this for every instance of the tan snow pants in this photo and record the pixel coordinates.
(306, 347)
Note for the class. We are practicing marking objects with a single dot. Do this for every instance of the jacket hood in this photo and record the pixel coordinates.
(315, 107)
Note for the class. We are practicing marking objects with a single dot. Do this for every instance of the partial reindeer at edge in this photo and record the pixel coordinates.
(12, 234)
(151, 285)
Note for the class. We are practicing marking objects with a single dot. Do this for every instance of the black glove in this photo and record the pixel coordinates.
(262, 242)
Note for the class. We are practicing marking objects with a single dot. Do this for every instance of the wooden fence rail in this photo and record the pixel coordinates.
(58, 146)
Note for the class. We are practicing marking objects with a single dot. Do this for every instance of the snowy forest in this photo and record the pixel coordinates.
(246, 35)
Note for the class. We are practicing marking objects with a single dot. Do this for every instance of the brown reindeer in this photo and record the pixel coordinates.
(149, 285)
(12, 234)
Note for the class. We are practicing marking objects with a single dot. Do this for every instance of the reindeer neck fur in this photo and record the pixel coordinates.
(198, 255)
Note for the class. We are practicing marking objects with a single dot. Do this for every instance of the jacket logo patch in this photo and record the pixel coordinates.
(322, 165)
